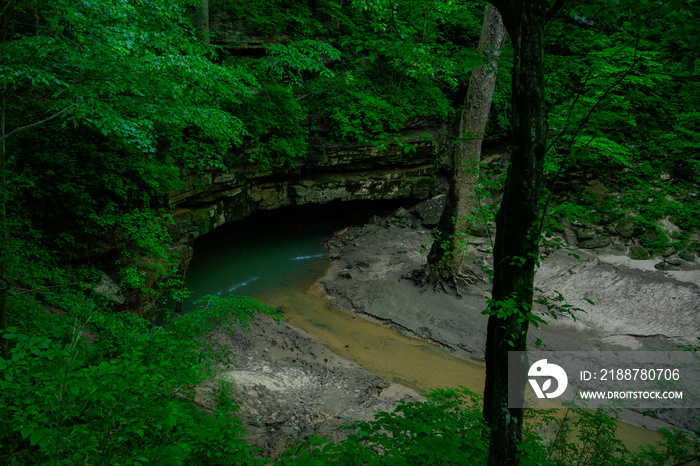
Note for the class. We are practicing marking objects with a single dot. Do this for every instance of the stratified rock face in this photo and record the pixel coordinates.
(332, 173)
(226, 199)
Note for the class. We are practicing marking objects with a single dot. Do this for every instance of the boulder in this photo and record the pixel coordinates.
(430, 210)
(625, 227)
(596, 242)
(663, 265)
(109, 289)
(570, 237)
(639, 253)
(585, 233)
(674, 260)
(606, 218)
(400, 212)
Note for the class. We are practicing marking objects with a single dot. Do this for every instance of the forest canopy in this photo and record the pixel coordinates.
(107, 106)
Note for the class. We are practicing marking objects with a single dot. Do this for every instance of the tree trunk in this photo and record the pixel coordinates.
(517, 232)
(4, 237)
(447, 252)
(202, 20)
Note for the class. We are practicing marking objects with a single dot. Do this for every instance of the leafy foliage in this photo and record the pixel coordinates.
(448, 429)
(373, 79)
(128, 84)
(621, 89)
(556, 307)
(275, 138)
(111, 388)
(121, 70)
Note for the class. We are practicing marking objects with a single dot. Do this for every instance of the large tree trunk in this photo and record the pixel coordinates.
(4, 237)
(447, 252)
(202, 20)
(517, 232)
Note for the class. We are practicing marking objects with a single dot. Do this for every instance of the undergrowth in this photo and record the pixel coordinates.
(448, 428)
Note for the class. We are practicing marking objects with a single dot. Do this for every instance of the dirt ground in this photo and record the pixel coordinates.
(288, 385)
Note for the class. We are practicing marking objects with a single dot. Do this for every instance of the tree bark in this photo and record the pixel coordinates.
(4, 284)
(447, 252)
(202, 20)
(4, 236)
(517, 232)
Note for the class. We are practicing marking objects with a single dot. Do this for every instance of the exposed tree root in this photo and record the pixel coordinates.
(427, 279)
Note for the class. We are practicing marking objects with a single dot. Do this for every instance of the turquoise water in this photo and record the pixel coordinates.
(269, 254)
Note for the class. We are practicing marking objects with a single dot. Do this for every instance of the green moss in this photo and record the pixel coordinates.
(639, 253)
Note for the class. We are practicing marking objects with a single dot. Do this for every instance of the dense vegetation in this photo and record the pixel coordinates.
(449, 428)
(105, 105)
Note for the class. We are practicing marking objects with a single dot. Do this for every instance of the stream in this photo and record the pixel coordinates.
(277, 256)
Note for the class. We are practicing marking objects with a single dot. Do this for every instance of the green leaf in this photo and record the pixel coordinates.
(637, 24)
(35, 437)
(26, 431)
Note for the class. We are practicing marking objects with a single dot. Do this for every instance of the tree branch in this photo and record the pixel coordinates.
(692, 458)
(635, 59)
(554, 9)
(570, 111)
(32, 125)
(393, 19)
(7, 5)
(585, 119)
(35, 290)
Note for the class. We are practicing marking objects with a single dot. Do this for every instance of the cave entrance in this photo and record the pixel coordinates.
(271, 254)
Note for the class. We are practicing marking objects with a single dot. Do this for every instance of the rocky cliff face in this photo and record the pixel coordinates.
(331, 172)
(351, 172)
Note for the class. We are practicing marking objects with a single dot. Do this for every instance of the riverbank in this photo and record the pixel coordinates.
(637, 307)
(289, 384)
